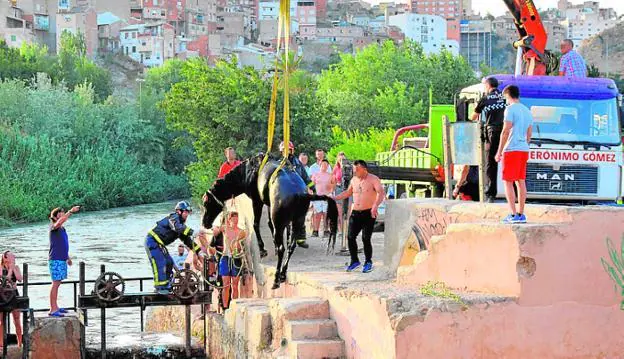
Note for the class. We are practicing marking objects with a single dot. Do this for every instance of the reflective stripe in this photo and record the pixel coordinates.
(196, 247)
(301, 240)
(155, 236)
(155, 270)
(186, 231)
(310, 184)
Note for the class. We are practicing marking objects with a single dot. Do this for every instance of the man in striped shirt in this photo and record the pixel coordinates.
(571, 63)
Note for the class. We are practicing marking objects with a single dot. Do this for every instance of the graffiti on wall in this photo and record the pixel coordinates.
(615, 268)
(429, 222)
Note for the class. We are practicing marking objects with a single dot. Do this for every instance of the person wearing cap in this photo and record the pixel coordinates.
(492, 107)
(58, 256)
(299, 233)
(164, 233)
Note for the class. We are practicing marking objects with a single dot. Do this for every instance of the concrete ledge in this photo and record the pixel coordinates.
(53, 338)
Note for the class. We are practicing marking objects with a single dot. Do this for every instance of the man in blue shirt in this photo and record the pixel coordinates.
(514, 152)
(571, 63)
(180, 257)
(58, 257)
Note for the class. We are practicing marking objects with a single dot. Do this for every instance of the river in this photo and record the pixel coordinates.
(114, 238)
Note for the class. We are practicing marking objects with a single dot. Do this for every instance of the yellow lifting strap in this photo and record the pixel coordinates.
(283, 24)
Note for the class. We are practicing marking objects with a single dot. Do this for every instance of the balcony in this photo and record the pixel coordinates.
(136, 4)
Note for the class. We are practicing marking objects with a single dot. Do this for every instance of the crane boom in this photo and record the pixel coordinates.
(532, 33)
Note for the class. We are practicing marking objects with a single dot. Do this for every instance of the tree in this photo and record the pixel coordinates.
(75, 69)
(387, 85)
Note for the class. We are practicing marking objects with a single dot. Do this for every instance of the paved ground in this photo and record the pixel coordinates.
(315, 259)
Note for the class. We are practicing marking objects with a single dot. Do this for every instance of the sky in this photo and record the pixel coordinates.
(497, 7)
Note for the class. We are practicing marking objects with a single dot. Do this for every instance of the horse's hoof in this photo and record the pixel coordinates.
(282, 278)
(276, 285)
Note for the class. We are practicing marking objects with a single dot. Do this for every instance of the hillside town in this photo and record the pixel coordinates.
(152, 31)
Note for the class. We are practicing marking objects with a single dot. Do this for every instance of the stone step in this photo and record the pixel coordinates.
(311, 329)
(316, 349)
(299, 308)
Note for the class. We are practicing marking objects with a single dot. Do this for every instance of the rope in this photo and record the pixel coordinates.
(283, 24)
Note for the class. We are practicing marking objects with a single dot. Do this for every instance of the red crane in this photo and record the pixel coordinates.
(533, 35)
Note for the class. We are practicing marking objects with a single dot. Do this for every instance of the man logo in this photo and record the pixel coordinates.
(556, 186)
(555, 177)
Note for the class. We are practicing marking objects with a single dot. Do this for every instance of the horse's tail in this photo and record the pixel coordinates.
(332, 210)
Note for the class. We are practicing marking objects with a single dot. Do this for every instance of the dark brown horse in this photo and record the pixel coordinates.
(285, 194)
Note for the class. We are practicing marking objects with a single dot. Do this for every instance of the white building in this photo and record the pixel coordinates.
(427, 30)
(586, 20)
(149, 44)
(268, 13)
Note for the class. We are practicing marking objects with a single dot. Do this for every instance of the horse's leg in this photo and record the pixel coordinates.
(257, 208)
(278, 240)
(300, 210)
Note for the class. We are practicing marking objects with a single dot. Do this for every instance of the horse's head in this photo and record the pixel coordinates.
(239, 180)
(212, 207)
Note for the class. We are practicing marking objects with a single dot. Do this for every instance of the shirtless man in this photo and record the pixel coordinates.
(324, 183)
(368, 193)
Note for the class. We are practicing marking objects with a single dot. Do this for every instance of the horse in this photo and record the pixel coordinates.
(283, 191)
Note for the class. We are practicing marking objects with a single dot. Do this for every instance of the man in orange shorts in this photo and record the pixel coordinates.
(513, 150)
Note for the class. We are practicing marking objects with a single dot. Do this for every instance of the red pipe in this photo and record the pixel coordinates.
(402, 130)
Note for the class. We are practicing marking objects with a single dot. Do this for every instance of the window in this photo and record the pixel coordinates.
(13, 38)
(133, 49)
(134, 35)
(126, 35)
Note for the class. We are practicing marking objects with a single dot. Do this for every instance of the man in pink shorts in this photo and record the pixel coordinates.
(513, 150)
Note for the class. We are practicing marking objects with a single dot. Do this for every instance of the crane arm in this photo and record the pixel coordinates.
(533, 37)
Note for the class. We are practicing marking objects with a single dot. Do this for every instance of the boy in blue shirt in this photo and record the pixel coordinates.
(58, 257)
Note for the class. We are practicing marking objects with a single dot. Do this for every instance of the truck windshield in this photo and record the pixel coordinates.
(594, 121)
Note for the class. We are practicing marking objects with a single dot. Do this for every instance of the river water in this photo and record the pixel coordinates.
(114, 238)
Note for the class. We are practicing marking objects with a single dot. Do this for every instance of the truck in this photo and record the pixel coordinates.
(576, 148)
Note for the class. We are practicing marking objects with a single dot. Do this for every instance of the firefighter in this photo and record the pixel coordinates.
(164, 233)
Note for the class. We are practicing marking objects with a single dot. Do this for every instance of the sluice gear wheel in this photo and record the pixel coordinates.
(7, 292)
(185, 284)
(109, 287)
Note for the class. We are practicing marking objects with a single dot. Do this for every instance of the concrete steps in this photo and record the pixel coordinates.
(304, 327)
(311, 329)
(278, 328)
(316, 349)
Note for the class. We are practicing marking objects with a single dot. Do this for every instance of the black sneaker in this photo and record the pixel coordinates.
(303, 244)
(315, 234)
(263, 253)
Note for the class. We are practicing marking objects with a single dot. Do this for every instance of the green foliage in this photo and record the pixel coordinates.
(226, 106)
(615, 269)
(388, 85)
(440, 290)
(360, 145)
(70, 67)
(39, 173)
(59, 148)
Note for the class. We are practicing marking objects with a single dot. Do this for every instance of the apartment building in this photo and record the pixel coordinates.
(78, 20)
(427, 30)
(306, 17)
(339, 34)
(109, 29)
(148, 44)
(476, 42)
(16, 28)
(451, 10)
(586, 20)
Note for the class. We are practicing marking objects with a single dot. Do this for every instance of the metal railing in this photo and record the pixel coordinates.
(75, 283)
